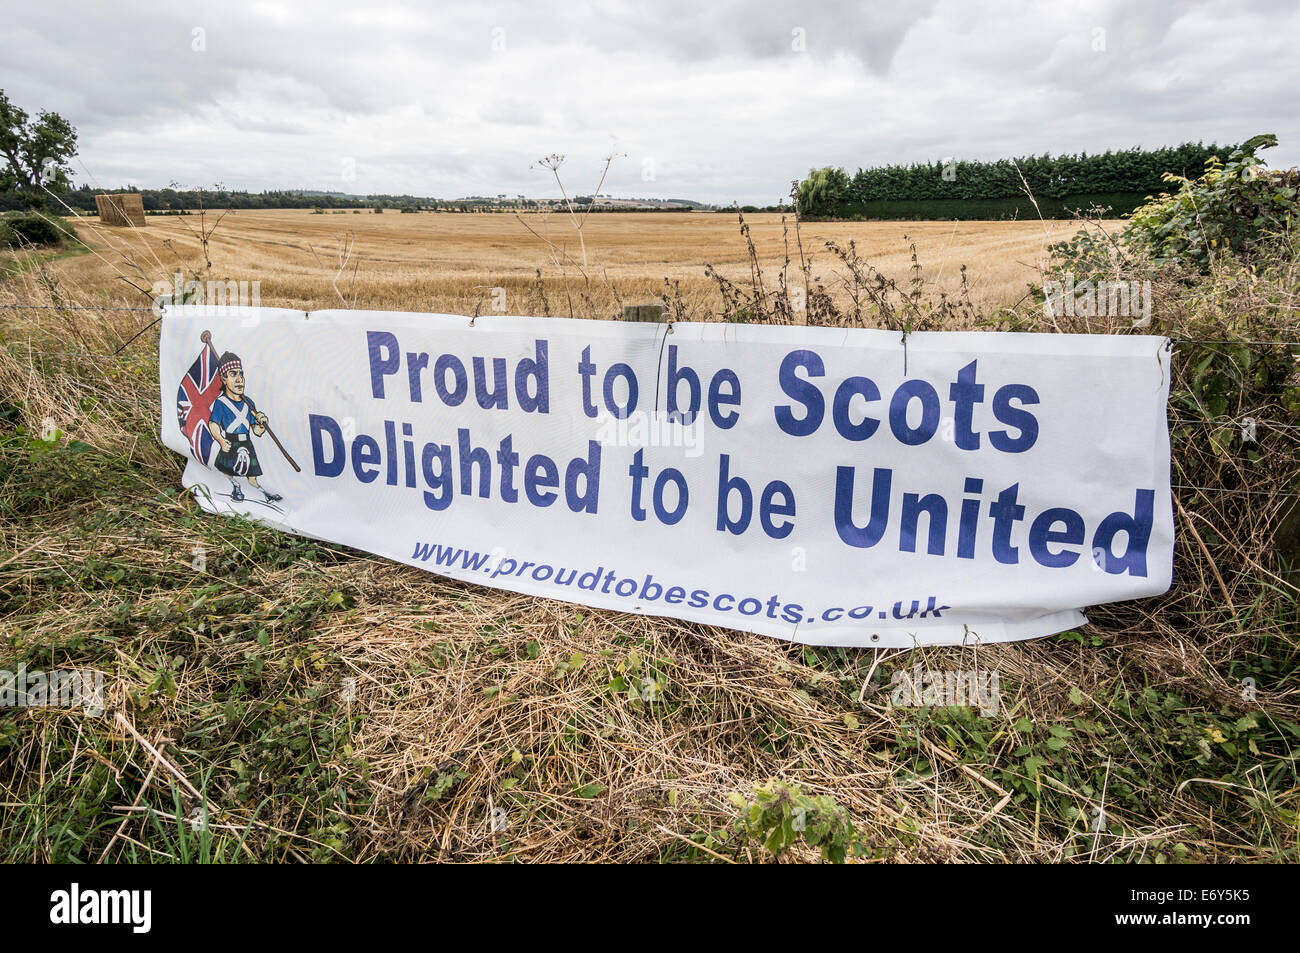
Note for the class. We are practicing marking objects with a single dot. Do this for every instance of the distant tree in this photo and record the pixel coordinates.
(822, 191)
(36, 152)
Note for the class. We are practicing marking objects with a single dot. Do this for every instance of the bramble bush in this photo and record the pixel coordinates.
(1234, 213)
(1238, 207)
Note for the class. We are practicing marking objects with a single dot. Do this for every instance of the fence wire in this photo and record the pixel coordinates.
(1237, 423)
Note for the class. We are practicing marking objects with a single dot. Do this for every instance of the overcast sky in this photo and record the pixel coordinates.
(709, 100)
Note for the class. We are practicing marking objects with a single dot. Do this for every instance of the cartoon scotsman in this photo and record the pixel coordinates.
(235, 420)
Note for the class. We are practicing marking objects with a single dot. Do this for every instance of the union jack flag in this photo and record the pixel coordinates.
(199, 389)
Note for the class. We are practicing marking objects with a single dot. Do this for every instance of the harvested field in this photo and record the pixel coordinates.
(451, 262)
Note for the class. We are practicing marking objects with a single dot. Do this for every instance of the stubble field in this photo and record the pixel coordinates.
(454, 262)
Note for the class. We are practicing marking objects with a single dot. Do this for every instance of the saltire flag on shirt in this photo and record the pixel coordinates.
(200, 387)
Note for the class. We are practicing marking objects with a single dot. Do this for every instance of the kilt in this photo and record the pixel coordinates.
(241, 460)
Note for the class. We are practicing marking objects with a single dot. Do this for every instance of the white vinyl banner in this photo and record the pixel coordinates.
(825, 485)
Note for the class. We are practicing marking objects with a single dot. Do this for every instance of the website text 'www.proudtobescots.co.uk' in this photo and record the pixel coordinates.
(496, 565)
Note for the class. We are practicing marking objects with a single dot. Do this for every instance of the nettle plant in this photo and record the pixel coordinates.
(781, 814)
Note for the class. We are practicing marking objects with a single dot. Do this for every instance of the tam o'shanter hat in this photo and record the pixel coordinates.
(228, 362)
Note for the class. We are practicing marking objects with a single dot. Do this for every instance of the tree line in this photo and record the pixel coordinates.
(952, 188)
(180, 200)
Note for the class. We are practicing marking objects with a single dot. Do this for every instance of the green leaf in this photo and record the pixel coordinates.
(1034, 764)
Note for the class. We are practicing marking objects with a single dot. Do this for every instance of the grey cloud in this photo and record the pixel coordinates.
(713, 97)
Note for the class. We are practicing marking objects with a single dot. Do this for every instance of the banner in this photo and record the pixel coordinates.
(829, 486)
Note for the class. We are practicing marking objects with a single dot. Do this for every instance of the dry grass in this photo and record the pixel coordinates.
(335, 706)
